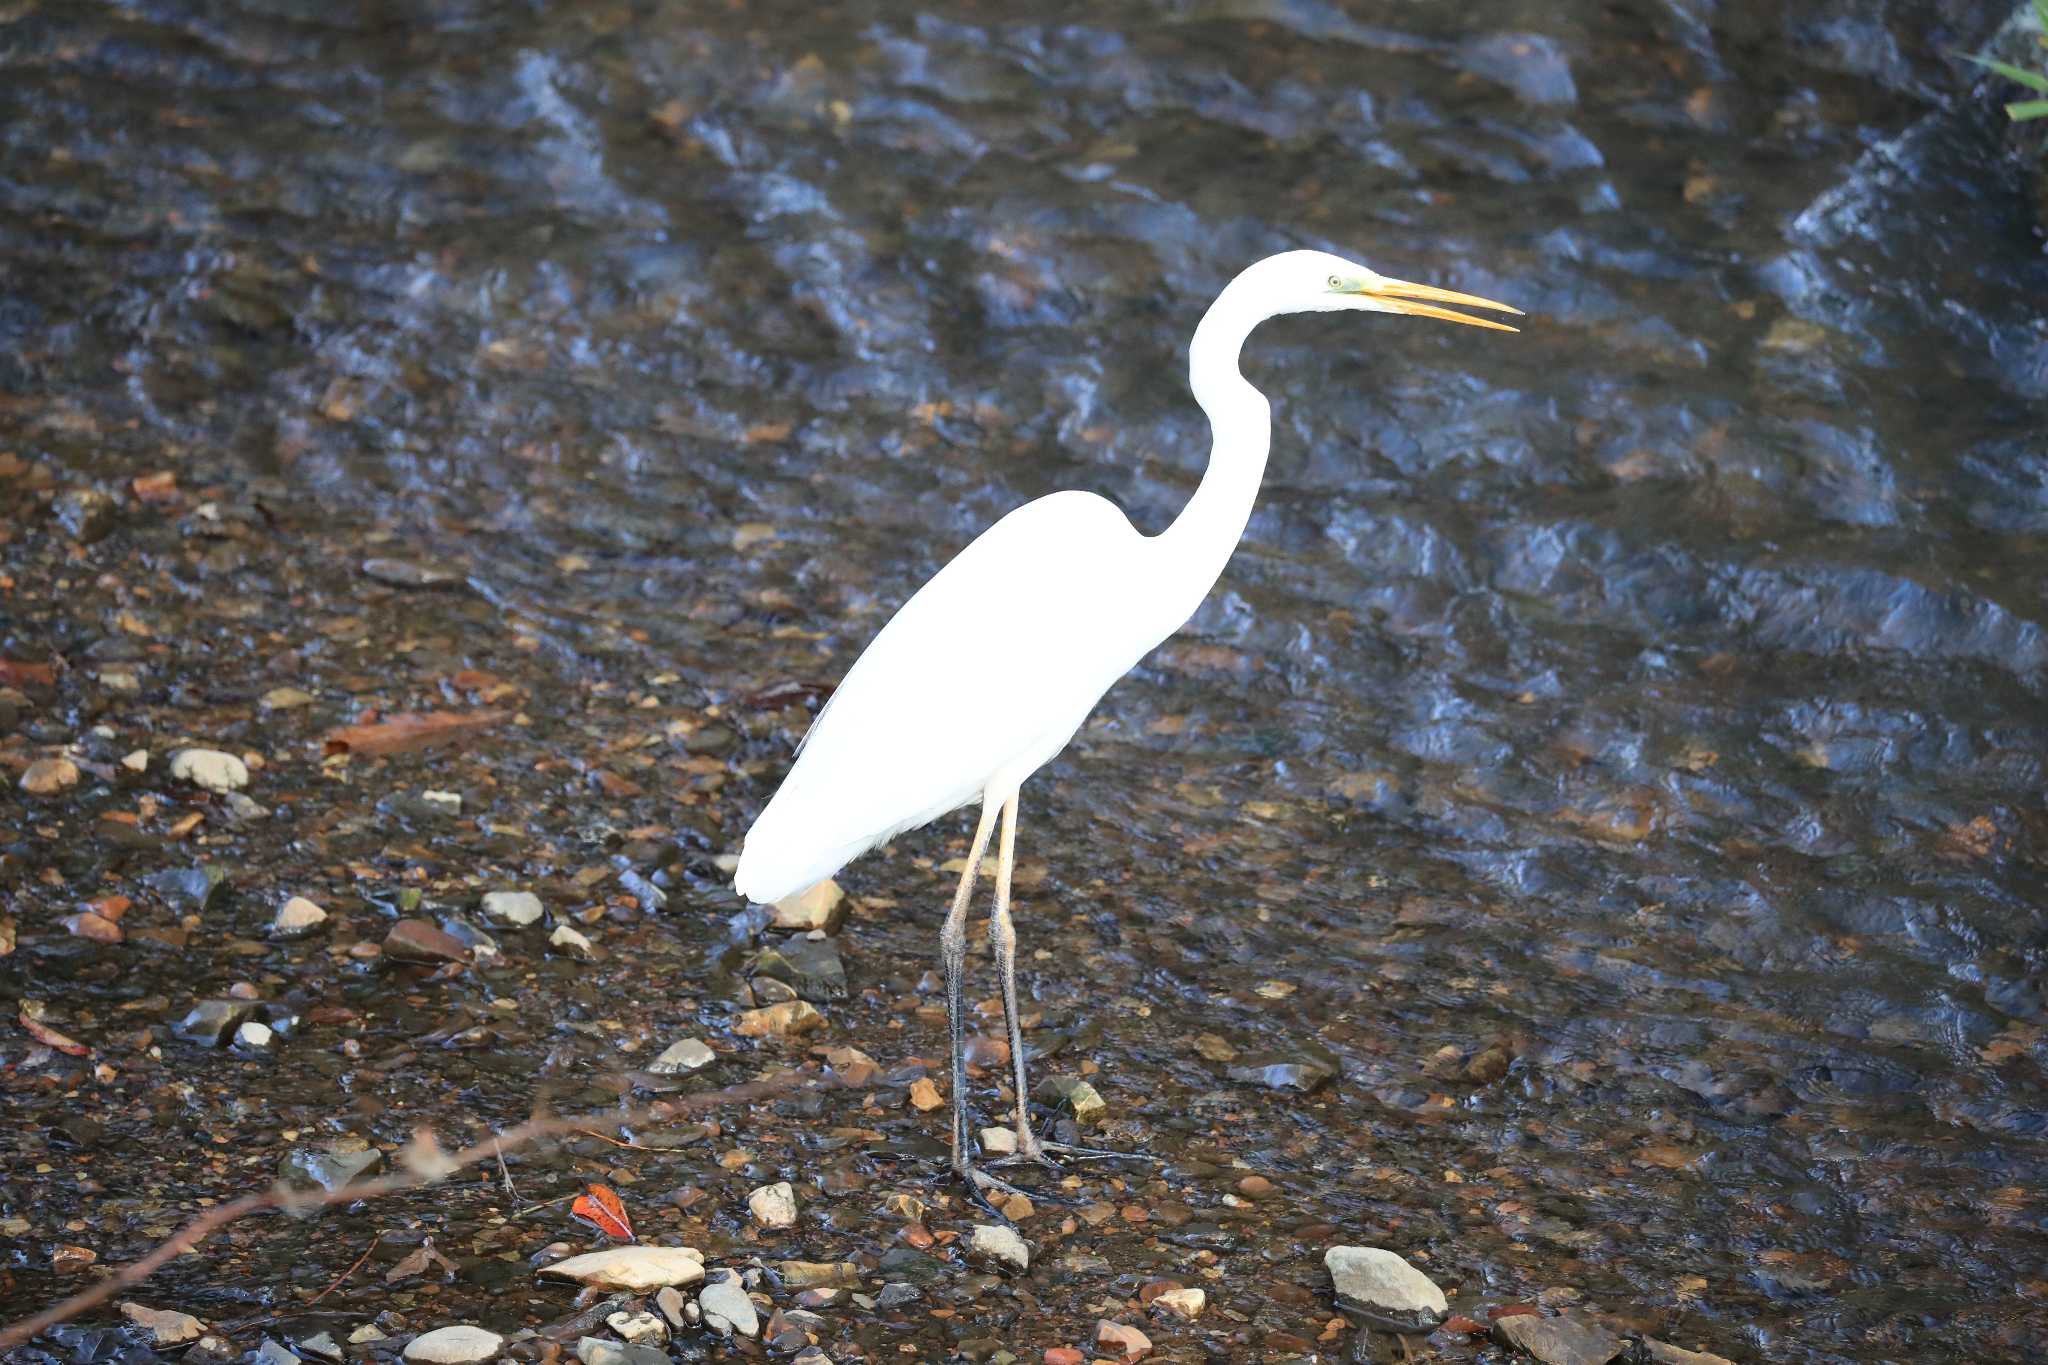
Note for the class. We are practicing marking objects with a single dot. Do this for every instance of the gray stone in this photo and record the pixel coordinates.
(516, 908)
(727, 1307)
(331, 1166)
(809, 966)
(275, 1352)
(212, 1021)
(1664, 1353)
(688, 1055)
(897, 1295)
(996, 1244)
(464, 1344)
(1385, 1288)
(1083, 1099)
(1559, 1341)
(1303, 1071)
(321, 1344)
(671, 1302)
(202, 887)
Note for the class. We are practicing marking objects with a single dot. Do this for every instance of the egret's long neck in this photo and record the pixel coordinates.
(1195, 548)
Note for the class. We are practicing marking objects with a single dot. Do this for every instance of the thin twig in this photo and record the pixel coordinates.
(336, 1284)
(206, 1224)
(511, 1190)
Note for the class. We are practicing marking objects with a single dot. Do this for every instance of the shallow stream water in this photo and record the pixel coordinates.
(1616, 751)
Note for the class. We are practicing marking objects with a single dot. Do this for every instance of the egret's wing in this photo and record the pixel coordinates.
(993, 662)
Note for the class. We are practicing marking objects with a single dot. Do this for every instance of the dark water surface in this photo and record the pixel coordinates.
(1653, 700)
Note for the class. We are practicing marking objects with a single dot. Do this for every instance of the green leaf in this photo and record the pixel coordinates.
(2041, 16)
(2033, 80)
(2027, 109)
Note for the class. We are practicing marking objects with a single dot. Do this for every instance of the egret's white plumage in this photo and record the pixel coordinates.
(989, 669)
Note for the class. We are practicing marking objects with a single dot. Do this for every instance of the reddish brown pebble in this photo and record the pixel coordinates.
(1255, 1187)
(1129, 1342)
(1063, 1355)
(1510, 1310)
(1152, 1289)
(416, 940)
(1458, 1322)
(1134, 1213)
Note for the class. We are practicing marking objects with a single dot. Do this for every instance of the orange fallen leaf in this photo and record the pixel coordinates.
(408, 730)
(31, 1020)
(601, 1207)
(28, 675)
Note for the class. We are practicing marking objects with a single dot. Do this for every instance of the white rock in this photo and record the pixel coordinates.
(1379, 1282)
(451, 802)
(565, 937)
(460, 1345)
(727, 1307)
(999, 1141)
(253, 1036)
(638, 1268)
(519, 908)
(296, 917)
(688, 1055)
(1182, 1303)
(1002, 1245)
(366, 1334)
(211, 769)
(136, 760)
(638, 1328)
(773, 1206)
(166, 1328)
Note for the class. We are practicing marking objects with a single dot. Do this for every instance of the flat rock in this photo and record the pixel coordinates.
(459, 1345)
(995, 1244)
(567, 936)
(638, 1268)
(296, 918)
(638, 1329)
(1664, 1353)
(418, 940)
(788, 1019)
(165, 1328)
(210, 769)
(202, 886)
(1182, 1303)
(516, 908)
(1559, 1341)
(1128, 1342)
(773, 1206)
(822, 907)
(286, 698)
(690, 1054)
(724, 1301)
(599, 1351)
(1303, 1071)
(821, 1274)
(1385, 1287)
(49, 776)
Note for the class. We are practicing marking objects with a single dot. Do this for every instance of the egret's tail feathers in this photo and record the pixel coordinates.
(767, 874)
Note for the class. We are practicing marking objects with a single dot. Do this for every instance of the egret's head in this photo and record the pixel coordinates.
(1317, 282)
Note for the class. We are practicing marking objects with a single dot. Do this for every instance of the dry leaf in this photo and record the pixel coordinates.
(407, 731)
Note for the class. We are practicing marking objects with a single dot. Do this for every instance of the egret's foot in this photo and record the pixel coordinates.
(1041, 1153)
(980, 1183)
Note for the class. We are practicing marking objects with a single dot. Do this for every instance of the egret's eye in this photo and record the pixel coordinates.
(1336, 281)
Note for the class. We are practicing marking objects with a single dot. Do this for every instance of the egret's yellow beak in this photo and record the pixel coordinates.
(1404, 297)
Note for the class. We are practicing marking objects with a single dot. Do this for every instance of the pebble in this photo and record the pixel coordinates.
(1064, 1355)
(459, 1345)
(1182, 1303)
(1281, 1071)
(726, 1306)
(638, 1268)
(1381, 1284)
(286, 698)
(688, 1055)
(210, 769)
(405, 573)
(924, 1096)
(366, 1334)
(822, 907)
(254, 1037)
(788, 1019)
(322, 1344)
(1128, 1342)
(897, 1294)
(773, 1206)
(638, 1329)
(1559, 1341)
(814, 1274)
(517, 908)
(810, 966)
(136, 760)
(599, 1351)
(166, 1328)
(296, 918)
(566, 937)
(999, 1141)
(670, 1301)
(49, 776)
(274, 1352)
(998, 1245)
(418, 940)
(203, 886)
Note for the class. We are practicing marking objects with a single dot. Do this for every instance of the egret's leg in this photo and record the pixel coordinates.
(1002, 933)
(953, 955)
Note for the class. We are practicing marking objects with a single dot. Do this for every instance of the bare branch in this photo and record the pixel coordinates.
(206, 1224)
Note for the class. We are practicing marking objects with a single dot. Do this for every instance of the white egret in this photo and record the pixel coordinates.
(934, 716)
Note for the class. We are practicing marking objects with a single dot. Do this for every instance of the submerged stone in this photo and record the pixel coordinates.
(1303, 1071)
(1384, 1287)
(1559, 1341)
(810, 966)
